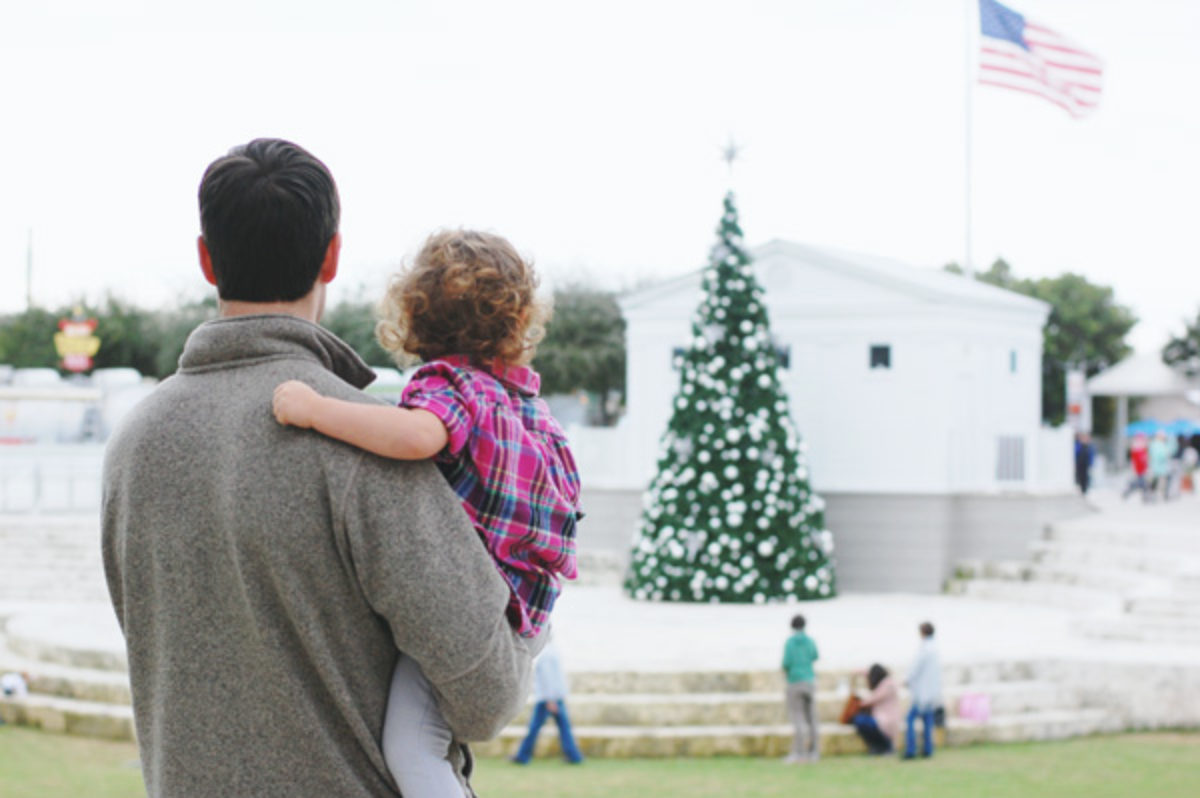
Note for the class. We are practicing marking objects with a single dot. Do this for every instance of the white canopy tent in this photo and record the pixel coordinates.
(1139, 375)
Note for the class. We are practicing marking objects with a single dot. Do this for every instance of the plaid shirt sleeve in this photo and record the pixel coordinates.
(435, 387)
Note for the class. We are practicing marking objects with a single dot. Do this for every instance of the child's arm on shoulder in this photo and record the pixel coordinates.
(396, 432)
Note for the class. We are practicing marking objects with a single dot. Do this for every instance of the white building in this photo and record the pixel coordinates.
(918, 394)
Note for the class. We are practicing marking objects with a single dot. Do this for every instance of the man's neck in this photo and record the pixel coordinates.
(308, 307)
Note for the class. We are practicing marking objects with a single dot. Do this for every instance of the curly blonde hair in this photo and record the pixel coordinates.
(466, 293)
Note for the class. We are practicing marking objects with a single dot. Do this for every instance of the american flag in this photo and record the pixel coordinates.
(1018, 54)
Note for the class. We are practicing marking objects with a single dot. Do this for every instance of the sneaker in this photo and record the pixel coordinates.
(792, 759)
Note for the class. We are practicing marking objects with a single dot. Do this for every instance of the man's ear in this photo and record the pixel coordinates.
(205, 261)
(329, 266)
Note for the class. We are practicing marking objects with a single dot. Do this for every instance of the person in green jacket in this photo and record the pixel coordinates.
(799, 654)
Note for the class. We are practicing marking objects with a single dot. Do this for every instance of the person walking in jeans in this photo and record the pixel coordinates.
(550, 697)
(925, 684)
(799, 654)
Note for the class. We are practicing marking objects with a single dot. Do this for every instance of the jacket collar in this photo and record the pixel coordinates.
(522, 379)
(231, 342)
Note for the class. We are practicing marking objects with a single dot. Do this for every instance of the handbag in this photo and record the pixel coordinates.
(852, 708)
(975, 707)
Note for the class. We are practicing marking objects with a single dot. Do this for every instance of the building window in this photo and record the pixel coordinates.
(1010, 458)
(1012, 361)
(881, 356)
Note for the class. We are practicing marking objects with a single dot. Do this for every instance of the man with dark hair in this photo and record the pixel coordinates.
(266, 578)
(269, 215)
(799, 654)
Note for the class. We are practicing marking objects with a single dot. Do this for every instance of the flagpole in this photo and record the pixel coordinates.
(968, 262)
(29, 269)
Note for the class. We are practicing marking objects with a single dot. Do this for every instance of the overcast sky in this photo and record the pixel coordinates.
(590, 136)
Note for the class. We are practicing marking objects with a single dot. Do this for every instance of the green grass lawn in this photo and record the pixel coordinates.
(1160, 765)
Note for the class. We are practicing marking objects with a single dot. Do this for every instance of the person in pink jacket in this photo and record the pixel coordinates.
(878, 721)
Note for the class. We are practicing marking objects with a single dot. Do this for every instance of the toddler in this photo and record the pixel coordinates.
(466, 308)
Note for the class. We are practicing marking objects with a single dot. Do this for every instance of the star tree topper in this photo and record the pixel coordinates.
(730, 153)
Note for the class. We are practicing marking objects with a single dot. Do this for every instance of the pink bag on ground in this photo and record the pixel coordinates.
(976, 707)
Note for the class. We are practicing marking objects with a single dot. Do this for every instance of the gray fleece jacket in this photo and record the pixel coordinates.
(266, 577)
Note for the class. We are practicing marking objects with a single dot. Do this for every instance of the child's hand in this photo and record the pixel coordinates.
(295, 403)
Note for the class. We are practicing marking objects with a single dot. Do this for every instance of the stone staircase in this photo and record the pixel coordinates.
(1133, 575)
(71, 690)
(50, 557)
(76, 690)
(742, 714)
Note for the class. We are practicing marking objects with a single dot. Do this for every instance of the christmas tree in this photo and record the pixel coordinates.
(730, 516)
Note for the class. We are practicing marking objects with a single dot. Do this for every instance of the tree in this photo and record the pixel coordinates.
(1086, 330)
(174, 327)
(27, 339)
(354, 322)
(1184, 351)
(999, 274)
(584, 347)
(730, 515)
(129, 336)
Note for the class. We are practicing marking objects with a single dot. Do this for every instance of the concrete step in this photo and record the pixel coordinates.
(114, 722)
(64, 681)
(1009, 570)
(29, 646)
(1081, 574)
(1013, 697)
(1098, 555)
(621, 742)
(1142, 629)
(690, 682)
(1046, 594)
(1145, 536)
(771, 681)
(66, 589)
(1172, 607)
(774, 740)
(1052, 725)
(758, 709)
(1187, 585)
(1115, 579)
(70, 716)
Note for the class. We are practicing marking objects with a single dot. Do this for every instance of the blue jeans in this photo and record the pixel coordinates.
(541, 710)
(910, 733)
(868, 729)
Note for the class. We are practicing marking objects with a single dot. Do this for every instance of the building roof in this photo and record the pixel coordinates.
(1140, 375)
(929, 284)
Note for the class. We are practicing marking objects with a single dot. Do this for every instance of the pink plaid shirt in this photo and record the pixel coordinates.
(508, 460)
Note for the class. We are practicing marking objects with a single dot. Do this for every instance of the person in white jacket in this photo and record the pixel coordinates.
(925, 683)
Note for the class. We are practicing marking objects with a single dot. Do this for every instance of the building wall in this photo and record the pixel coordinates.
(961, 377)
(884, 543)
(911, 543)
